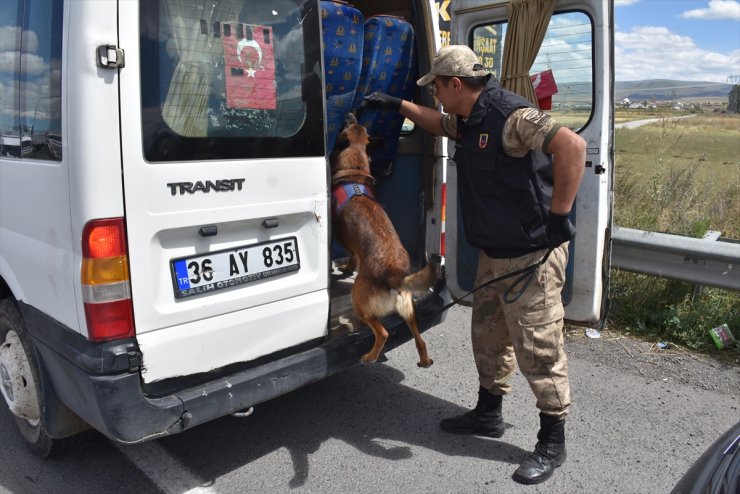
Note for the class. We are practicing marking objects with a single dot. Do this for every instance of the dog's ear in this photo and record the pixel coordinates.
(342, 141)
(340, 144)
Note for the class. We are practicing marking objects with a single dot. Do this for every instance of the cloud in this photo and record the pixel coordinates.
(8, 37)
(33, 64)
(8, 95)
(622, 3)
(568, 48)
(651, 52)
(8, 62)
(718, 9)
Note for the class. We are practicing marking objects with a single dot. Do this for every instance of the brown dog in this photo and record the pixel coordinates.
(383, 283)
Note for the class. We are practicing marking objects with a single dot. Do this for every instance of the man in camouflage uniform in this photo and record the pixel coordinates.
(518, 174)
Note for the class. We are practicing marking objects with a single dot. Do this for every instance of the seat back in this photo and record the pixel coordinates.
(342, 28)
(388, 66)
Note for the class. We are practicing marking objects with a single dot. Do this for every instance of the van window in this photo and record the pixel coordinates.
(31, 79)
(240, 79)
(564, 64)
(10, 44)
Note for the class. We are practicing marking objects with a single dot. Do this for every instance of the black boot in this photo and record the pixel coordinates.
(549, 453)
(484, 420)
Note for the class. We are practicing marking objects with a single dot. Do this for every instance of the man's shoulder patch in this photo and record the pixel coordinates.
(537, 117)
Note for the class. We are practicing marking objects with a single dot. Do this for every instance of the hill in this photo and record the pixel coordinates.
(667, 89)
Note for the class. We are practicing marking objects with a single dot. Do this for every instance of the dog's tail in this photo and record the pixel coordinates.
(421, 281)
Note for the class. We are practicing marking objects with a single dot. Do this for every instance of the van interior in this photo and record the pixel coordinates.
(393, 37)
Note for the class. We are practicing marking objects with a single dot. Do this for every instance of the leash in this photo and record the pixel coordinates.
(526, 276)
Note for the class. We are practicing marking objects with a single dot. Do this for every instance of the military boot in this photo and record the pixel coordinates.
(484, 420)
(549, 453)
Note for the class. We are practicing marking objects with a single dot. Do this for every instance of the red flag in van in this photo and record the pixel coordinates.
(544, 87)
(249, 63)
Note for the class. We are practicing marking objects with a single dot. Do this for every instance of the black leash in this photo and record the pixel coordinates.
(526, 276)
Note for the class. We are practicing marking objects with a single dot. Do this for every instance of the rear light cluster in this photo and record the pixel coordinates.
(106, 291)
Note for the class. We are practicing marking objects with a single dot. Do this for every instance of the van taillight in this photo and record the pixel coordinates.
(106, 291)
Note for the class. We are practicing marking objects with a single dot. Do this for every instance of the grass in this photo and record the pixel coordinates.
(680, 177)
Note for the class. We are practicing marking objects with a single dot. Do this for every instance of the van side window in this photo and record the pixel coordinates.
(563, 70)
(41, 78)
(31, 79)
(10, 44)
(240, 80)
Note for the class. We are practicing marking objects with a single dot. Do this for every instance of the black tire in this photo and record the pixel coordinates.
(28, 381)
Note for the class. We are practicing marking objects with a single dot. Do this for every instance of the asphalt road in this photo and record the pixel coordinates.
(640, 417)
(639, 123)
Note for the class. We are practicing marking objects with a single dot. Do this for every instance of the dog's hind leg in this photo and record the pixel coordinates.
(405, 308)
(364, 300)
(381, 336)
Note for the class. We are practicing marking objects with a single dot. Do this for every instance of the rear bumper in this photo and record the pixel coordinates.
(100, 383)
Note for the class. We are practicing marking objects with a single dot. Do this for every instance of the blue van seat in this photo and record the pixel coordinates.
(342, 27)
(389, 66)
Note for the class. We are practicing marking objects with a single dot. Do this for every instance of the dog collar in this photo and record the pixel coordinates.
(341, 194)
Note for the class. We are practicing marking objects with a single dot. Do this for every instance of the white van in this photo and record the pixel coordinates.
(165, 238)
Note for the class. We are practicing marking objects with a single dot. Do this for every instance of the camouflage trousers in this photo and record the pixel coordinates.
(527, 331)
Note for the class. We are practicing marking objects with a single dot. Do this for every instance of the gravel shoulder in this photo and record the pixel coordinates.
(642, 358)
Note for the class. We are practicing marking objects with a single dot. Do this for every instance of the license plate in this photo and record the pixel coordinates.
(227, 268)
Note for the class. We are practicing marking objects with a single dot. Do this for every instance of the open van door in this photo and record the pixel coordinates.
(225, 181)
(574, 70)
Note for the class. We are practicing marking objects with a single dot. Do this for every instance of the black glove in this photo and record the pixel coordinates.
(559, 229)
(381, 100)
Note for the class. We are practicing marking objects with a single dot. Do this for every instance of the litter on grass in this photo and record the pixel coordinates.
(722, 336)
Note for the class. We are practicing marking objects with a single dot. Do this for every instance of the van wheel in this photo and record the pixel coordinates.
(20, 383)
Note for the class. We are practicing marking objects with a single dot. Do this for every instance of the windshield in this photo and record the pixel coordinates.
(230, 79)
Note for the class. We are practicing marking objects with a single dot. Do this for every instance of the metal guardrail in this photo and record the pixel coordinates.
(710, 261)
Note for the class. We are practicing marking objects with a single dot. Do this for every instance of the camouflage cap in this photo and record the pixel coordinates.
(456, 61)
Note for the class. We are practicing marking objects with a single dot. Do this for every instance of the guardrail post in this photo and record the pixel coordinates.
(711, 235)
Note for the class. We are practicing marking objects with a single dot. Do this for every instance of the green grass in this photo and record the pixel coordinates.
(680, 177)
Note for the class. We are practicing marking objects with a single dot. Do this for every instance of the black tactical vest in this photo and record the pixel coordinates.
(504, 201)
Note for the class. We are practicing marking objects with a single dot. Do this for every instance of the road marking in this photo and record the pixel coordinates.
(171, 476)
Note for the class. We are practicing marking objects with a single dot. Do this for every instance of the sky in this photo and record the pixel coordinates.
(689, 40)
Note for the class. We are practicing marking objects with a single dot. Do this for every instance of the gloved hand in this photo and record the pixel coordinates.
(381, 100)
(559, 229)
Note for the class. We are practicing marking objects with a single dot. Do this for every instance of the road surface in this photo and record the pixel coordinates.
(639, 418)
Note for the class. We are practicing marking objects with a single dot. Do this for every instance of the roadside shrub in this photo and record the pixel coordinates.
(680, 178)
(652, 307)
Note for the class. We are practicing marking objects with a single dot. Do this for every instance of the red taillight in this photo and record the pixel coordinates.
(110, 320)
(104, 238)
(106, 291)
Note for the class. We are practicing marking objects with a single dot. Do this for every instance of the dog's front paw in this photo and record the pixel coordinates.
(368, 358)
(425, 363)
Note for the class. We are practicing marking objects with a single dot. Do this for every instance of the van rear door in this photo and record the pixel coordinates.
(574, 72)
(225, 180)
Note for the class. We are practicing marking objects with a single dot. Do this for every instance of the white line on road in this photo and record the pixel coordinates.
(171, 476)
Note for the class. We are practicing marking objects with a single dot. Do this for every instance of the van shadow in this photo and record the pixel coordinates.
(93, 466)
(367, 407)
